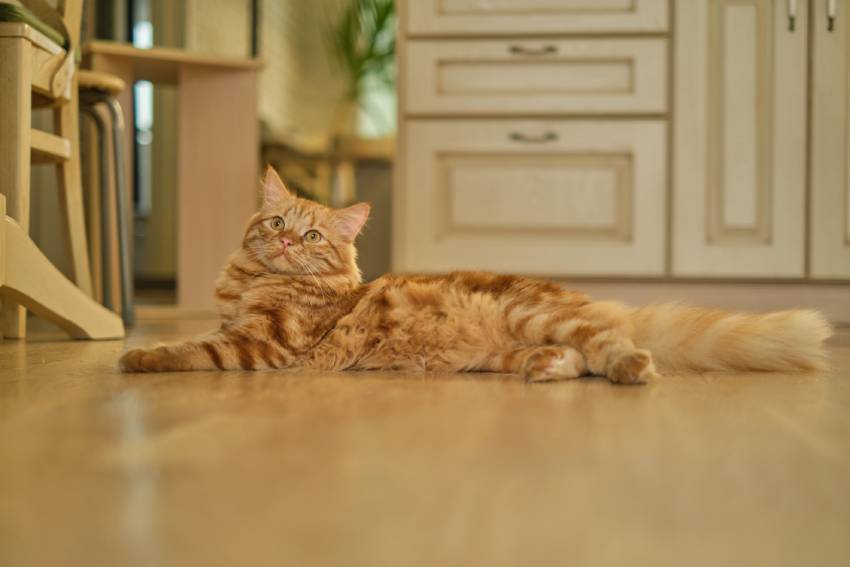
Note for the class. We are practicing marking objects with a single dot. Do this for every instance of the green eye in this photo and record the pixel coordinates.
(312, 236)
(276, 223)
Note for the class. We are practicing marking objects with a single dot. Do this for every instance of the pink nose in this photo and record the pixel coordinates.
(286, 242)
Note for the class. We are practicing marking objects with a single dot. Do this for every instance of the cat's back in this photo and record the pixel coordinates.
(459, 290)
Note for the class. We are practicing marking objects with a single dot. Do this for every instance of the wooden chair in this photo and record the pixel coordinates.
(35, 69)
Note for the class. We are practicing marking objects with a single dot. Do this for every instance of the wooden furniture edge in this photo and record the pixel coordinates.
(169, 55)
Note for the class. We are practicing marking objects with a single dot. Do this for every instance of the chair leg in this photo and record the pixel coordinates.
(32, 280)
(123, 211)
(71, 191)
(103, 192)
(15, 114)
(91, 192)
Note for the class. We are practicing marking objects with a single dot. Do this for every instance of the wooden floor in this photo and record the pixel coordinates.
(275, 468)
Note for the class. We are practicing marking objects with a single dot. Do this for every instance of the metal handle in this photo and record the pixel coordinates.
(792, 14)
(522, 50)
(830, 15)
(545, 137)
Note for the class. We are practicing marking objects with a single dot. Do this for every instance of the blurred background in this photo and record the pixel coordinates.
(325, 112)
(644, 151)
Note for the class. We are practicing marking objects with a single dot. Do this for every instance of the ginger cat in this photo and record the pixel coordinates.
(291, 296)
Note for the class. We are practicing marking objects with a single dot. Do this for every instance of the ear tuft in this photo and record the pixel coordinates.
(275, 192)
(350, 220)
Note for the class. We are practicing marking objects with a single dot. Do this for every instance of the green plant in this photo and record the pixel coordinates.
(362, 42)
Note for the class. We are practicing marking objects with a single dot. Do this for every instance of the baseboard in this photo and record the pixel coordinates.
(173, 312)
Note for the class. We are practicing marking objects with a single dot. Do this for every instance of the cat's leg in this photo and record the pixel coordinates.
(604, 337)
(610, 352)
(222, 350)
(599, 331)
(339, 350)
(540, 363)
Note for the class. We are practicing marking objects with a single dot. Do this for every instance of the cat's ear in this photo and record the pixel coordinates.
(275, 192)
(350, 220)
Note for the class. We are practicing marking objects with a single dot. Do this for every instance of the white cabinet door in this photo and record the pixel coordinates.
(553, 197)
(830, 159)
(539, 76)
(739, 143)
(511, 17)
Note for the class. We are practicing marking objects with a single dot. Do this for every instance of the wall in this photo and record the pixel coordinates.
(299, 87)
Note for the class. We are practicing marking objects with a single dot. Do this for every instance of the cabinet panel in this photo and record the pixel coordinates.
(830, 209)
(555, 198)
(570, 193)
(536, 76)
(447, 17)
(739, 139)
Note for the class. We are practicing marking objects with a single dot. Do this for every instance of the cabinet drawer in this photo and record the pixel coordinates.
(452, 17)
(548, 197)
(536, 76)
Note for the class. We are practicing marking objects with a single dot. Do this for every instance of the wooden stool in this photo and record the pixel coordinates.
(36, 68)
(99, 88)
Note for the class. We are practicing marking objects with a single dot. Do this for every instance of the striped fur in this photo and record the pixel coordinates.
(687, 339)
(288, 299)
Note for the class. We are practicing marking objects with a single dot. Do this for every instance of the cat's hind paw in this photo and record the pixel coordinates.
(634, 367)
(553, 364)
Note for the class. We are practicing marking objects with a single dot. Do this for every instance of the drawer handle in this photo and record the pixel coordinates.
(522, 50)
(830, 15)
(545, 137)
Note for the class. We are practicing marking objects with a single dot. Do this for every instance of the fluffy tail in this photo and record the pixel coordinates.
(689, 339)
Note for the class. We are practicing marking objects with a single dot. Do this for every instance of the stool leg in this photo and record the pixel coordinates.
(123, 211)
(15, 113)
(103, 191)
(67, 122)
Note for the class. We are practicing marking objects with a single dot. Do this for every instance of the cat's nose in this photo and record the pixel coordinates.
(286, 242)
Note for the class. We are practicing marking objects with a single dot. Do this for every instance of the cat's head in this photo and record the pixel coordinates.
(294, 236)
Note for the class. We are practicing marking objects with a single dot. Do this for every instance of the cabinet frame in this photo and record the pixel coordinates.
(718, 230)
(829, 211)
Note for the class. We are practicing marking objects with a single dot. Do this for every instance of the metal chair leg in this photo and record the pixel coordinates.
(125, 273)
(103, 173)
(121, 204)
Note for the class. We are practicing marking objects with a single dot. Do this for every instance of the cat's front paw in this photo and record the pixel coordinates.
(142, 360)
(634, 367)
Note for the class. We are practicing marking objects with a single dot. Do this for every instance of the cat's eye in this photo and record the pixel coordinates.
(312, 236)
(276, 223)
